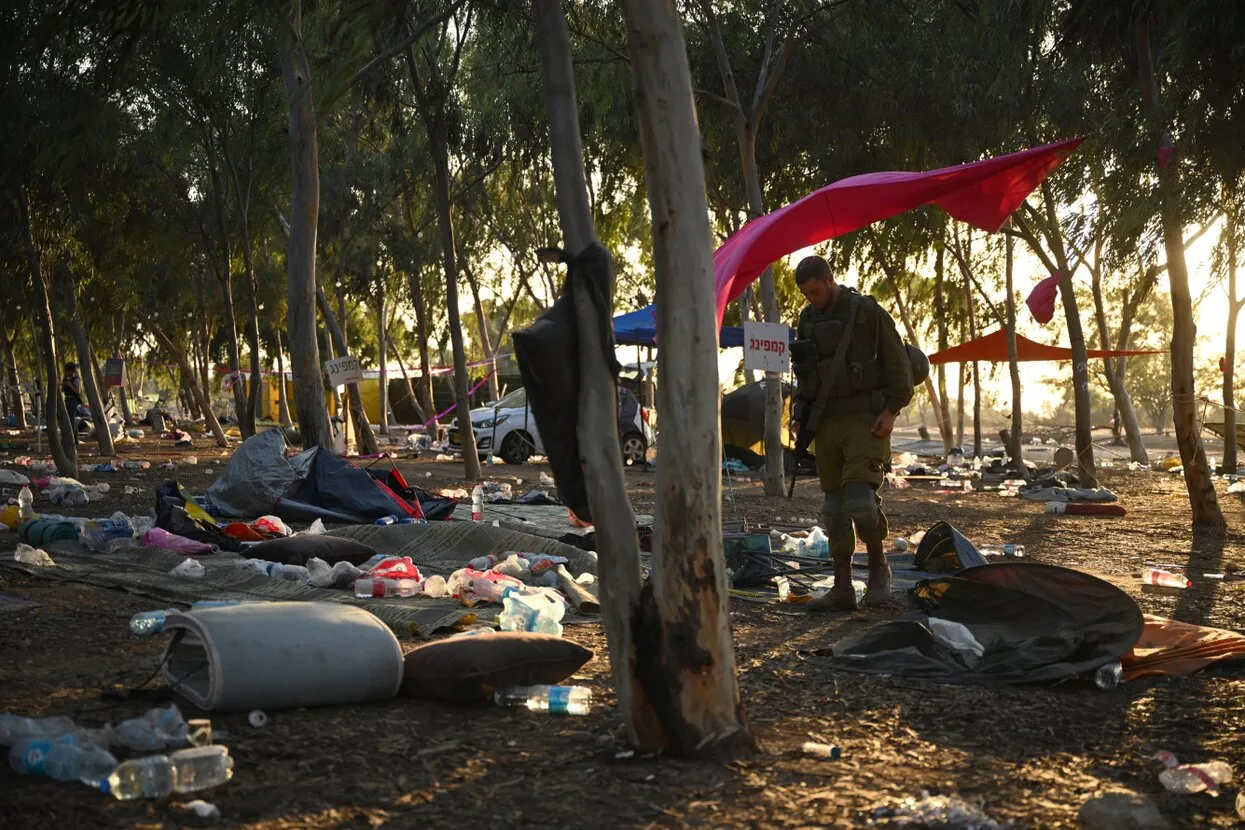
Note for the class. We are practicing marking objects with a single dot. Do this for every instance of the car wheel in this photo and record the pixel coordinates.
(516, 448)
(633, 448)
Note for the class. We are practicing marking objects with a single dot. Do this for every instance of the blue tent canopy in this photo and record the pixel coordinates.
(639, 328)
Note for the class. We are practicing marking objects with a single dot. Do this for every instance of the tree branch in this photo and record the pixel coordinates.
(413, 35)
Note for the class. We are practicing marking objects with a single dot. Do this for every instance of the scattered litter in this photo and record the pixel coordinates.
(199, 732)
(158, 729)
(1120, 809)
(8, 477)
(1187, 779)
(258, 718)
(958, 638)
(935, 811)
(133, 491)
(202, 809)
(820, 750)
(190, 569)
(557, 700)
(187, 770)
(1109, 676)
(1155, 576)
(33, 556)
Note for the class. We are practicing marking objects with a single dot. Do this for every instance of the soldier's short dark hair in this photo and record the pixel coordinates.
(811, 267)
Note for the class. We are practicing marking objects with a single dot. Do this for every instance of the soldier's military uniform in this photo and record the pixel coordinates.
(873, 374)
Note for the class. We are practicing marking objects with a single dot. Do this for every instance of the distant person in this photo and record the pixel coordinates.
(71, 390)
(854, 377)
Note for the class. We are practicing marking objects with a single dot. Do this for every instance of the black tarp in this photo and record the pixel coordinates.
(1034, 623)
(548, 355)
(335, 490)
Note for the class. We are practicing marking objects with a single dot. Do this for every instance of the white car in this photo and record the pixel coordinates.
(507, 429)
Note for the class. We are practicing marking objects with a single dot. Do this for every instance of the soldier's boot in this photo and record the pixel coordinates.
(842, 597)
(879, 585)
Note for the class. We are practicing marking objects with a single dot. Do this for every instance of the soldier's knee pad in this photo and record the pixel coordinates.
(860, 502)
(836, 521)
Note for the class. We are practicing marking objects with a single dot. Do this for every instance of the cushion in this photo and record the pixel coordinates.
(470, 668)
(296, 550)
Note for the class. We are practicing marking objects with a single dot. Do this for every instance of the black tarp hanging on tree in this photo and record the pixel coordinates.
(548, 355)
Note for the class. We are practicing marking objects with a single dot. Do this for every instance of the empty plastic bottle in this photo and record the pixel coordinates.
(64, 759)
(477, 504)
(156, 730)
(1156, 576)
(1002, 550)
(25, 502)
(185, 771)
(1186, 779)
(531, 611)
(1109, 675)
(558, 700)
(15, 728)
(386, 587)
(145, 623)
(107, 535)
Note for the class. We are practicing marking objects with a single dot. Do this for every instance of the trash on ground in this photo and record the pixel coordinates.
(184, 771)
(33, 556)
(189, 569)
(202, 809)
(258, 718)
(557, 700)
(927, 810)
(1167, 579)
(1121, 810)
(1187, 779)
(1109, 675)
(820, 750)
(157, 729)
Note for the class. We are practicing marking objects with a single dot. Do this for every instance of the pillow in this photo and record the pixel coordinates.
(470, 668)
(296, 550)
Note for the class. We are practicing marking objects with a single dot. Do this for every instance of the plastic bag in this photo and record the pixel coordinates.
(189, 569)
(33, 556)
(394, 567)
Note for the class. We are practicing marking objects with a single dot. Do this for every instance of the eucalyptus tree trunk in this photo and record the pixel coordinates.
(972, 335)
(86, 362)
(426, 398)
(1202, 497)
(381, 348)
(283, 404)
(59, 426)
(183, 363)
(1015, 434)
(406, 378)
(1114, 375)
(14, 380)
(309, 402)
(445, 220)
(364, 438)
(686, 660)
(940, 319)
(1229, 347)
(486, 341)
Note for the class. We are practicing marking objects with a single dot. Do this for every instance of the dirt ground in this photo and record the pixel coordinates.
(1026, 755)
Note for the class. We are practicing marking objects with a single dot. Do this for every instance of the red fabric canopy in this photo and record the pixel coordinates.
(982, 193)
(993, 349)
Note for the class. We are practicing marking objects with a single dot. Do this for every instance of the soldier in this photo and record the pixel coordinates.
(854, 376)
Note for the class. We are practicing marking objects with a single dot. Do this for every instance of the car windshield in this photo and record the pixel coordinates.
(512, 400)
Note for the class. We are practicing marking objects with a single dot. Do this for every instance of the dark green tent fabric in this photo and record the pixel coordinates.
(1034, 623)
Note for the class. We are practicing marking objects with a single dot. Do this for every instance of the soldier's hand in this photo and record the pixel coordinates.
(795, 427)
(884, 424)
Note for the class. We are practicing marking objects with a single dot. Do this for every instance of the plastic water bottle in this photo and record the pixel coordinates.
(1186, 779)
(15, 728)
(534, 611)
(1002, 550)
(557, 700)
(146, 623)
(386, 520)
(107, 535)
(185, 771)
(1109, 676)
(386, 587)
(62, 760)
(25, 502)
(1155, 576)
(477, 504)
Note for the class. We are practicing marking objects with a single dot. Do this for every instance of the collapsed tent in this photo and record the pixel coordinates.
(314, 484)
(1014, 622)
(982, 193)
(992, 348)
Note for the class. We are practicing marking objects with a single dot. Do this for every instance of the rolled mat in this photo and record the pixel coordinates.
(281, 655)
